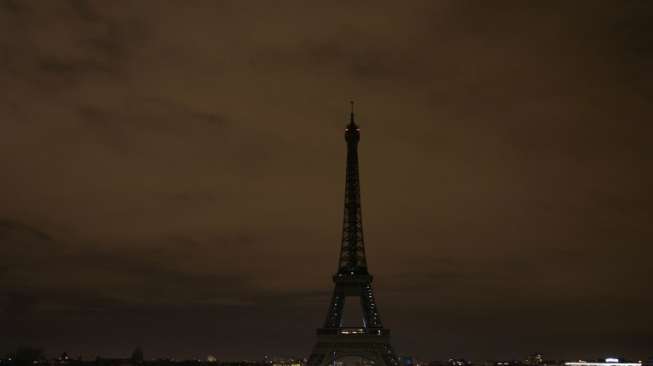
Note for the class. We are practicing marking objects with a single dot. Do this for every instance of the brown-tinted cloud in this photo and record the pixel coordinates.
(179, 168)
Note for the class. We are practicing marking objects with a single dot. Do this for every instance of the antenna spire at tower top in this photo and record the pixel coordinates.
(351, 113)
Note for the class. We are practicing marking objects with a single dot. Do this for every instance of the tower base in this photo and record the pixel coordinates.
(356, 346)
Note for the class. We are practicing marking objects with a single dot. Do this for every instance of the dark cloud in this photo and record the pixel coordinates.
(344, 54)
(9, 228)
(150, 274)
(91, 42)
(123, 125)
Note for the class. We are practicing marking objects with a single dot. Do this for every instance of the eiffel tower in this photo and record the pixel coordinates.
(368, 344)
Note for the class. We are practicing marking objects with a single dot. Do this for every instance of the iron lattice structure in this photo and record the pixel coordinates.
(371, 341)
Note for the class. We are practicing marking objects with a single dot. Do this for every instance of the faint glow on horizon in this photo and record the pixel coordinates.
(608, 362)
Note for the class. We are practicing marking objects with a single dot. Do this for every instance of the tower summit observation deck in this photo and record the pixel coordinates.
(369, 343)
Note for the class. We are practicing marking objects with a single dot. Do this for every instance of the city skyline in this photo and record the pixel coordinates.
(172, 175)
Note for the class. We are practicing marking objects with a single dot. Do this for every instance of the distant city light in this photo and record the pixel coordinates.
(608, 362)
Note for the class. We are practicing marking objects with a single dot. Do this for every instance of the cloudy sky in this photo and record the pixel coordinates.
(173, 174)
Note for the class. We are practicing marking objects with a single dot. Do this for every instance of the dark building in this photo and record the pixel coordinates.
(458, 362)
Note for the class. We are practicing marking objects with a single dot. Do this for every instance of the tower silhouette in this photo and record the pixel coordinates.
(370, 343)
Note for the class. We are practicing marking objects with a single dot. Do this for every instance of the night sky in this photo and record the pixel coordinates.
(172, 174)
